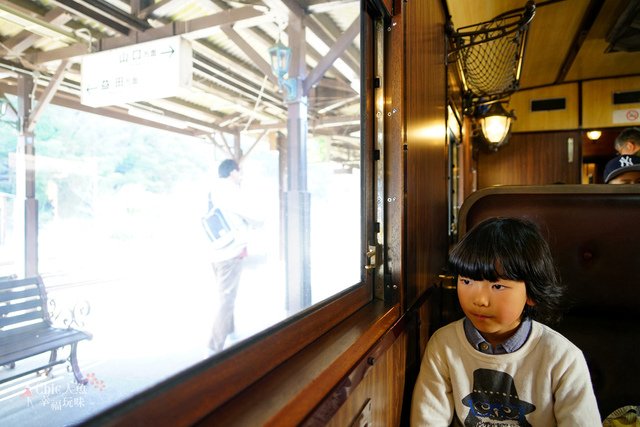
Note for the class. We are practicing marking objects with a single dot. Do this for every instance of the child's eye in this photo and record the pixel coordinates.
(464, 281)
(498, 286)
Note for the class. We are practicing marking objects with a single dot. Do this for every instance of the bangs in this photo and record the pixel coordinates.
(490, 255)
(489, 266)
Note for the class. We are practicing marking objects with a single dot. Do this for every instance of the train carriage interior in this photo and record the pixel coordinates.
(371, 135)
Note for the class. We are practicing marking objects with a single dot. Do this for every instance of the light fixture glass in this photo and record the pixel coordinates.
(280, 62)
(280, 59)
(594, 135)
(496, 124)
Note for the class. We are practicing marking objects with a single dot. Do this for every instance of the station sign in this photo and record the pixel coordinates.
(145, 71)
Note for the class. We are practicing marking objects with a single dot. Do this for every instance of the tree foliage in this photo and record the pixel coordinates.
(83, 153)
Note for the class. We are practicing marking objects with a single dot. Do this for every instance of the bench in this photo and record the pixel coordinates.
(26, 329)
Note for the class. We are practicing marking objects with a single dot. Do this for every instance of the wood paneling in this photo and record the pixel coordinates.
(597, 102)
(381, 387)
(602, 147)
(528, 121)
(592, 61)
(289, 393)
(532, 159)
(541, 66)
(426, 161)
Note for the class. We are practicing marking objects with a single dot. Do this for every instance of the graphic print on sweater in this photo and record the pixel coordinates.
(494, 401)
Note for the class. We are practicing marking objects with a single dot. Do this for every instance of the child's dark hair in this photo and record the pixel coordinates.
(512, 249)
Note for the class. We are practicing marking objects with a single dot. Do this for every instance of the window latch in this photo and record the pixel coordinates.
(371, 257)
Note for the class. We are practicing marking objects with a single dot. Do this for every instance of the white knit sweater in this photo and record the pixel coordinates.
(544, 383)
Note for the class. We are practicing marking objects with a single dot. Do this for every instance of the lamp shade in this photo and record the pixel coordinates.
(594, 135)
(496, 124)
(280, 59)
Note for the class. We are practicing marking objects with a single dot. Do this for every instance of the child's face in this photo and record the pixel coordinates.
(494, 308)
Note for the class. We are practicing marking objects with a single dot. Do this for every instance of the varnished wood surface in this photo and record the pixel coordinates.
(545, 52)
(586, 191)
(382, 386)
(567, 39)
(597, 101)
(289, 393)
(426, 157)
(541, 66)
(592, 60)
(602, 147)
(528, 121)
(532, 159)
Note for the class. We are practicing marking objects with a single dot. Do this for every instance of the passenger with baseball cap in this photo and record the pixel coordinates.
(623, 169)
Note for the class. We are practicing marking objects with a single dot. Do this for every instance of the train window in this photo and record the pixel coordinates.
(125, 249)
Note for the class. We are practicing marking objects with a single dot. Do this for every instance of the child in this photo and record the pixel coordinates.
(498, 366)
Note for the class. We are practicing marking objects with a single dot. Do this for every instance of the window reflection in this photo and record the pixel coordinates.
(120, 230)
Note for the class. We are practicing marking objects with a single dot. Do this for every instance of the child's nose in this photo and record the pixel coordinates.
(481, 296)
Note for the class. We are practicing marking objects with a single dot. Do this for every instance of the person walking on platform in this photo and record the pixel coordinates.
(228, 222)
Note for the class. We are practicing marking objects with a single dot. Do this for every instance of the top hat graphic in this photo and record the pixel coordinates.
(495, 386)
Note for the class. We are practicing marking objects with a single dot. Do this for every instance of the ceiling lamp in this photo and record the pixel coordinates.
(495, 124)
(594, 135)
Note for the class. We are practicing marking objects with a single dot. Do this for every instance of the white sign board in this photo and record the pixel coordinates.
(145, 71)
(628, 116)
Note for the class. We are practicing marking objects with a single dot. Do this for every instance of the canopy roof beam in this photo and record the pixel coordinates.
(194, 29)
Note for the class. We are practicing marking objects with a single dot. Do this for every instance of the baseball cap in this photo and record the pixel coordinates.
(619, 165)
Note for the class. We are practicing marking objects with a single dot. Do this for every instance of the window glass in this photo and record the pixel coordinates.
(8, 235)
(130, 250)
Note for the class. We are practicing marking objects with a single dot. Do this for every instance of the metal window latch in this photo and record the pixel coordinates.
(371, 256)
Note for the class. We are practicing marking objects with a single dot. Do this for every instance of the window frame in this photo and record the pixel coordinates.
(202, 388)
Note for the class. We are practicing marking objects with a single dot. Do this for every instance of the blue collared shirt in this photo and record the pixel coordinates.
(514, 343)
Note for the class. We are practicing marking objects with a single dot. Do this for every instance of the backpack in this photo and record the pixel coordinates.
(217, 228)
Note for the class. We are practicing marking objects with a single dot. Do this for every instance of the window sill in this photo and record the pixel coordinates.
(288, 394)
(246, 387)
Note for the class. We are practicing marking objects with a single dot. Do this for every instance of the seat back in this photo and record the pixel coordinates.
(594, 234)
(22, 303)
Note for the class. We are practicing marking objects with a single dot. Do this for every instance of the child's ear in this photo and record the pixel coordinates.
(530, 302)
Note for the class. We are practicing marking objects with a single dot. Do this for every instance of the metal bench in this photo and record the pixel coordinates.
(26, 329)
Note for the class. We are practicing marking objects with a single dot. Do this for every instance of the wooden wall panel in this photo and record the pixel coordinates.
(381, 388)
(532, 159)
(528, 121)
(425, 112)
(597, 102)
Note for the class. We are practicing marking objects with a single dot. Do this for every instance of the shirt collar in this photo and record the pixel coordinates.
(514, 343)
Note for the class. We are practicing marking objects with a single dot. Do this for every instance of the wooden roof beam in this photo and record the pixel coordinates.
(106, 14)
(193, 29)
(25, 38)
(263, 65)
(46, 96)
(334, 53)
